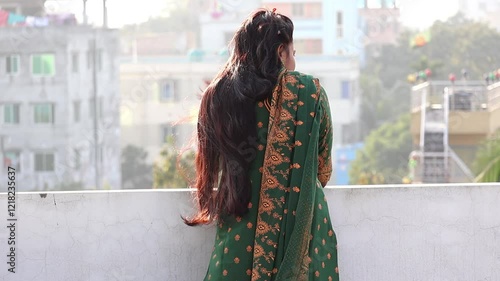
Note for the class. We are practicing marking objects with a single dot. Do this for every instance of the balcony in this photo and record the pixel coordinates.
(470, 109)
(390, 233)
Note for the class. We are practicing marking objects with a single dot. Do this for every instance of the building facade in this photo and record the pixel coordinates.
(59, 102)
(329, 45)
(449, 121)
(160, 97)
(380, 22)
(160, 94)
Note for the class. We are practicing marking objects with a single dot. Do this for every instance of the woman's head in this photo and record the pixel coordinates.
(264, 41)
(226, 120)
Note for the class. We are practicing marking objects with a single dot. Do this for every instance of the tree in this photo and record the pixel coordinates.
(174, 170)
(135, 172)
(384, 157)
(487, 163)
(456, 44)
(462, 43)
(380, 105)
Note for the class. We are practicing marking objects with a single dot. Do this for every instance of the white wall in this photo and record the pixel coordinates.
(389, 233)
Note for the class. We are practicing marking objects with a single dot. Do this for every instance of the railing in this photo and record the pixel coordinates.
(456, 171)
(472, 93)
(459, 171)
(494, 96)
(390, 233)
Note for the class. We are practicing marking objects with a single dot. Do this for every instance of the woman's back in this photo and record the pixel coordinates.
(264, 145)
(286, 234)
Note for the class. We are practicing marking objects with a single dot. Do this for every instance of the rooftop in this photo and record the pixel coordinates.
(390, 233)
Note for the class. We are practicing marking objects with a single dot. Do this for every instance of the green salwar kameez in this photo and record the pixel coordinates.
(287, 233)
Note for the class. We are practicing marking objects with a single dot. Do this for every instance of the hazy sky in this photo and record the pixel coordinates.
(414, 13)
(422, 13)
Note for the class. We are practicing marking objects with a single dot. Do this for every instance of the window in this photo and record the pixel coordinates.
(44, 162)
(12, 64)
(76, 159)
(298, 9)
(168, 131)
(167, 89)
(75, 62)
(76, 111)
(44, 113)
(340, 25)
(12, 159)
(92, 107)
(43, 65)
(346, 90)
(98, 58)
(11, 113)
(11, 8)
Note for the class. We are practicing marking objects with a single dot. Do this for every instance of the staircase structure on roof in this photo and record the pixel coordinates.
(449, 116)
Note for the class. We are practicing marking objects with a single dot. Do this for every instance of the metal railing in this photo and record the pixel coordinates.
(456, 171)
(494, 96)
(474, 93)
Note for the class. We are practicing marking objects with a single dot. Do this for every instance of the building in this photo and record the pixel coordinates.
(160, 91)
(449, 121)
(329, 45)
(160, 94)
(59, 104)
(25, 7)
(160, 99)
(344, 156)
(380, 21)
(219, 21)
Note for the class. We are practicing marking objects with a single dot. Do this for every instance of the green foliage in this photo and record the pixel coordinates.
(136, 173)
(370, 178)
(456, 44)
(380, 105)
(174, 170)
(384, 157)
(487, 163)
(461, 43)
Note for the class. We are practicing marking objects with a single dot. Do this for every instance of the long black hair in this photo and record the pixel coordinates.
(227, 121)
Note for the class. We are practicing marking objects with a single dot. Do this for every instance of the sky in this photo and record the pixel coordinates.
(417, 14)
(423, 13)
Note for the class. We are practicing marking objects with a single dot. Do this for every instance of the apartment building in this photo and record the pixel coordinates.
(59, 101)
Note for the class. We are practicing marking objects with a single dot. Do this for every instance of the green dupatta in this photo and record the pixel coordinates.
(287, 234)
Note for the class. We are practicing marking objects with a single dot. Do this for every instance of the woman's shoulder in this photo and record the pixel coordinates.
(307, 81)
(302, 77)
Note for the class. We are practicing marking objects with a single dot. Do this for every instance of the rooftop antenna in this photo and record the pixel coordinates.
(85, 18)
(104, 14)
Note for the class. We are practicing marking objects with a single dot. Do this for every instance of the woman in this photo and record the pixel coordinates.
(264, 145)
